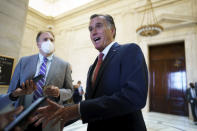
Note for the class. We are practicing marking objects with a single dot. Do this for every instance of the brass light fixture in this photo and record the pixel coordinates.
(149, 25)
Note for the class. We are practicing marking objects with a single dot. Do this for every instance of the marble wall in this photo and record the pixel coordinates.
(12, 23)
(178, 17)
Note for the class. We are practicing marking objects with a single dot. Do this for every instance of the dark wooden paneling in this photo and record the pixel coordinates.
(168, 79)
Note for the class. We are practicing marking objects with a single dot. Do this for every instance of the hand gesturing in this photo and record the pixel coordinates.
(27, 88)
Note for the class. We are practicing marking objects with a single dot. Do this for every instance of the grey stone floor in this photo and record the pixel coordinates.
(154, 122)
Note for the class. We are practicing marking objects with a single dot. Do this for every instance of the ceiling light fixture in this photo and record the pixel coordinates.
(149, 25)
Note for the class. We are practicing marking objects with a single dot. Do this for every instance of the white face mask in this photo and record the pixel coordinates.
(47, 47)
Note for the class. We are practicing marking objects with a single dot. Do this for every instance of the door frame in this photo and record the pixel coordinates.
(148, 58)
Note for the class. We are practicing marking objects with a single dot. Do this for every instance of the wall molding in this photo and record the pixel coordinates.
(140, 5)
(173, 21)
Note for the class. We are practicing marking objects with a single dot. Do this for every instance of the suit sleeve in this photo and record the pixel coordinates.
(133, 89)
(188, 97)
(67, 91)
(4, 100)
(15, 81)
(15, 78)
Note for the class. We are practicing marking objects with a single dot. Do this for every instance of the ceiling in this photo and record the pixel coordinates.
(56, 7)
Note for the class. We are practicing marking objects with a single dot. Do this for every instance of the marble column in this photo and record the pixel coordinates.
(12, 22)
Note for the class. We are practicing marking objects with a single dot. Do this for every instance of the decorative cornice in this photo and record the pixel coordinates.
(76, 12)
(140, 5)
(40, 15)
(176, 21)
(47, 21)
(178, 18)
(96, 4)
(124, 7)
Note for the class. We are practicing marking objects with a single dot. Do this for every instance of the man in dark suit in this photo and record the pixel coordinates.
(191, 94)
(115, 93)
(78, 93)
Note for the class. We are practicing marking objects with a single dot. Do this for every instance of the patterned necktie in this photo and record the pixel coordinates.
(39, 93)
(98, 65)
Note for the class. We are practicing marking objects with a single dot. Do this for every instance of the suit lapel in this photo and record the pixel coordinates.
(33, 65)
(108, 58)
(51, 70)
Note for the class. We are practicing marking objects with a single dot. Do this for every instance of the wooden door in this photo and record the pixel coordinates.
(168, 79)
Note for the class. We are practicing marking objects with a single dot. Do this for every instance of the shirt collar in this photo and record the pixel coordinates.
(107, 48)
(41, 57)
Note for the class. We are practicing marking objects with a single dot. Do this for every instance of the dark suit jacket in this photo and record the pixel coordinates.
(120, 91)
(189, 97)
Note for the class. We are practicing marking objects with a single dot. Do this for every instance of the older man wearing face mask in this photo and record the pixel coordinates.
(57, 82)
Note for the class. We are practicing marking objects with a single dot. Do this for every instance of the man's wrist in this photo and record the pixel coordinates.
(76, 111)
(72, 110)
(13, 97)
(57, 99)
(14, 94)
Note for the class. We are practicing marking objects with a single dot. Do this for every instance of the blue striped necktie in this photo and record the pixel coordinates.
(43, 68)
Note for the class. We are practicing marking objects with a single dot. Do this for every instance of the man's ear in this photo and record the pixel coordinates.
(38, 45)
(113, 31)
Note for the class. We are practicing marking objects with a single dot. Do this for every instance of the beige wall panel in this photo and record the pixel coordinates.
(12, 21)
(34, 24)
(76, 48)
(29, 46)
(12, 15)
